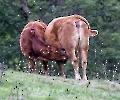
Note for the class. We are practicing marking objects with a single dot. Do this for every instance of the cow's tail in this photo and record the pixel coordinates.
(78, 44)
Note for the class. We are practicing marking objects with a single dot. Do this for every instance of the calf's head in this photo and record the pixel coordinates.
(53, 53)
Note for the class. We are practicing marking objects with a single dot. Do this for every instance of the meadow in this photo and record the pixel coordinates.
(15, 85)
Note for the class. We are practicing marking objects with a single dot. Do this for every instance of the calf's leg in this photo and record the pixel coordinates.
(32, 65)
(44, 65)
(60, 66)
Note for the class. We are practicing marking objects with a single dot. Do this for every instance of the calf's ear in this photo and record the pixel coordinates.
(93, 32)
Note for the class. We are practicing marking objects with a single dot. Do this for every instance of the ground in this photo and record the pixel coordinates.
(24, 86)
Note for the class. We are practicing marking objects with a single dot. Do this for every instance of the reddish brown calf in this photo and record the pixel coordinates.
(34, 48)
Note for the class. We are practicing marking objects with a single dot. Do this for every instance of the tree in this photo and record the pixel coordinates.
(103, 15)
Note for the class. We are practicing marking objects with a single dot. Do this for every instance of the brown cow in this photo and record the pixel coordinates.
(72, 34)
(34, 48)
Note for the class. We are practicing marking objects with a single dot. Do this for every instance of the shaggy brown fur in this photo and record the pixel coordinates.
(34, 48)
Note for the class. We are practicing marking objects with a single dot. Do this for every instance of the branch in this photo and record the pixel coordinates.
(24, 7)
(16, 4)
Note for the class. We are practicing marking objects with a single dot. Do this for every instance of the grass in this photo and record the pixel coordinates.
(24, 86)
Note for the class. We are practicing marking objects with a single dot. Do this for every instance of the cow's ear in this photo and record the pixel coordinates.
(93, 32)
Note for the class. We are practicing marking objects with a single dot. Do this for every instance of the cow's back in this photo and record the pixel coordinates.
(27, 36)
(51, 32)
(25, 42)
(55, 28)
(50, 35)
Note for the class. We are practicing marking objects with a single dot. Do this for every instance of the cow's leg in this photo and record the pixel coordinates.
(44, 66)
(73, 59)
(60, 66)
(84, 62)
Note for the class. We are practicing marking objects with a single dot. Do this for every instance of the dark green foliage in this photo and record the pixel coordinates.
(103, 15)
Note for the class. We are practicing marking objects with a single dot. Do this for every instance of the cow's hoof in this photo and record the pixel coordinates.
(64, 76)
(84, 78)
(78, 78)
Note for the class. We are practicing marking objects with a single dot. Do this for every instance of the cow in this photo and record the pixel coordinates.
(34, 48)
(71, 33)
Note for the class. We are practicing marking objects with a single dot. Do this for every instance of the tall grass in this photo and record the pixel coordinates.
(25, 86)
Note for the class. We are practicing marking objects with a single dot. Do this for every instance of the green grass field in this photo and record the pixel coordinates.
(24, 86)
